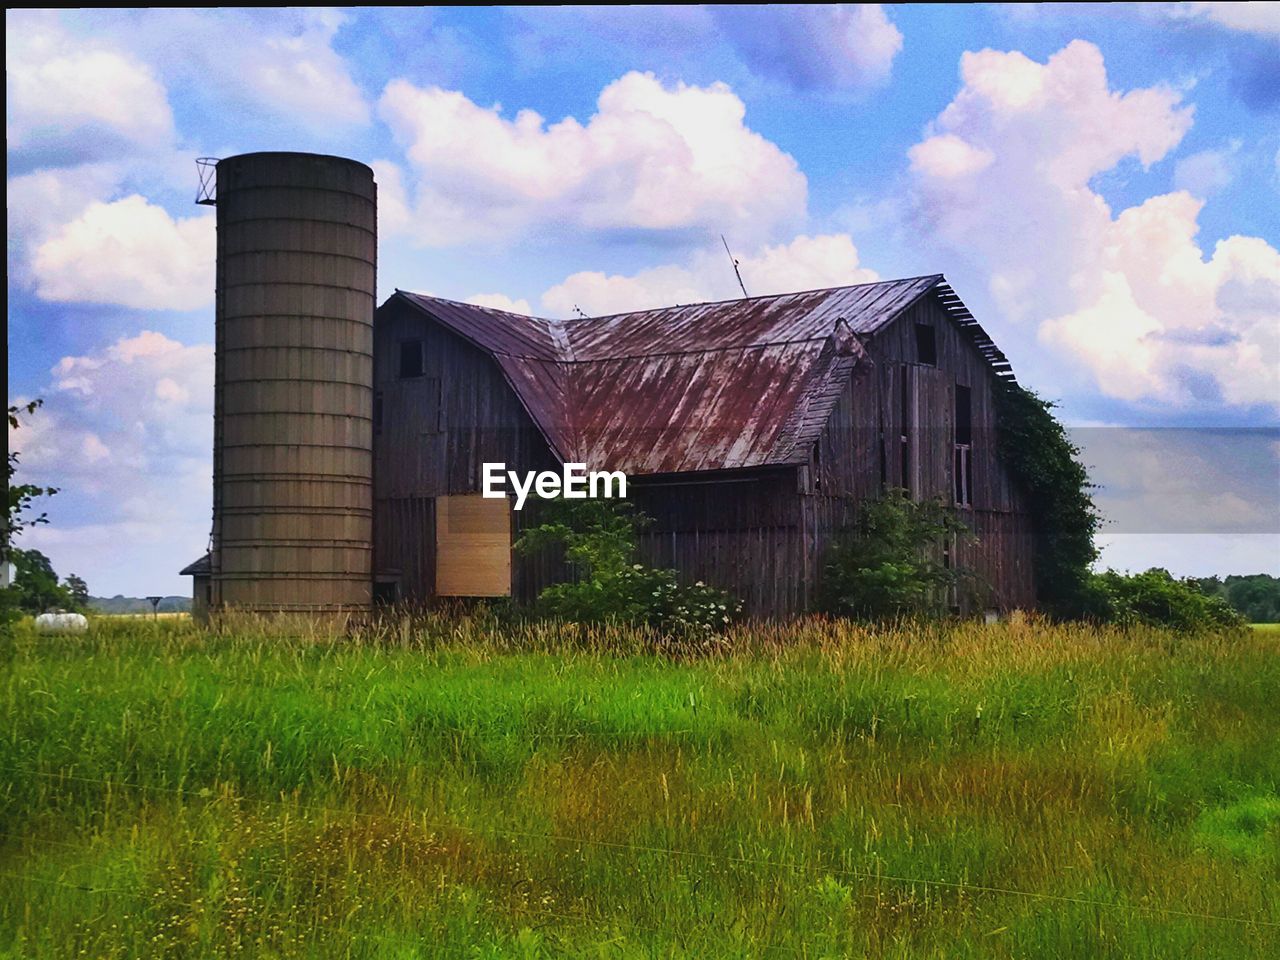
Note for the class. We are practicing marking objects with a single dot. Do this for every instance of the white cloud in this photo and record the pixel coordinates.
(1206, 172)
(1259, 16)
(652, 158)
(394, 215)
(807, 263)
(1161, 323)
(499, 301)
(831, 46)
(274, 63)
(828, 47)
(1131, 299)
(79, 101)
(127, 435)
(131, 253)
(946, 155)
(44, 200)
(284, 65)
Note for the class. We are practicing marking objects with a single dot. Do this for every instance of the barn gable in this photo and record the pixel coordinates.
(712, 386)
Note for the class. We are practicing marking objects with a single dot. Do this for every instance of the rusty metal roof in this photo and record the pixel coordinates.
(707, 386)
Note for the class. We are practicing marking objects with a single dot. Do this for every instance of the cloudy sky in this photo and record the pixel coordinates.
(1100, 183)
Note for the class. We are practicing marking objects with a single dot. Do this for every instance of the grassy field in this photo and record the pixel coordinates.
(453, 789)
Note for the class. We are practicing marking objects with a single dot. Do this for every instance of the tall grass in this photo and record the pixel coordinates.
(450, 787)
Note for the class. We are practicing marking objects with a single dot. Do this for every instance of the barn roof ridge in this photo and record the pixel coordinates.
(721, 385)
(762, 296)
(936, 277)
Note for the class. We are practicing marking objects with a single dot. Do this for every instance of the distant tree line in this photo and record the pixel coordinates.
(138, 605)
(1255, 597)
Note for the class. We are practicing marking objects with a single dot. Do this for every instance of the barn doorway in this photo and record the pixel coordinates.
(473, 546)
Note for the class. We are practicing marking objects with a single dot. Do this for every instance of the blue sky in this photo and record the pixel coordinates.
(1101, 183)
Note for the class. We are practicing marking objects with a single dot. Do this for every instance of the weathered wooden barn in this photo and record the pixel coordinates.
(749, 431)
(350, 439)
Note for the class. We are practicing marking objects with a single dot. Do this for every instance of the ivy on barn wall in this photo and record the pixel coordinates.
(1035, 447)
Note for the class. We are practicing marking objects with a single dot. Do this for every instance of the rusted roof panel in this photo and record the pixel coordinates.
(542, 386)
(681, 412)
(708, 386)
(733, 323)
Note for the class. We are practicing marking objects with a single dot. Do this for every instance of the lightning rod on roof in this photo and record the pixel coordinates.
(735, 265)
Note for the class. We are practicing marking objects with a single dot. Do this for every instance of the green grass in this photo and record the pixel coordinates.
(454, 789)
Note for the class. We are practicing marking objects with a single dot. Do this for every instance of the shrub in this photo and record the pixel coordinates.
(599, 539)
(889, 564)
(1156, 598)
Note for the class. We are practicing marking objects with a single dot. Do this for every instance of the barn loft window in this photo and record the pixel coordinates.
(963, 467)
(410, 359)
(926, 344)
(473, 546)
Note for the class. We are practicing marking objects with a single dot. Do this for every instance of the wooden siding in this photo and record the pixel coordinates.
(862, 445)
(741, 531)
(760, 533)
(433, 434)
(437, 429)
(404, 545)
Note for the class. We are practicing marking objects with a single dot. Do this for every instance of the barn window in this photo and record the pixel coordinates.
(963, 466)
(386, 590)
(473, 546)
(410, 359)
(926, 344)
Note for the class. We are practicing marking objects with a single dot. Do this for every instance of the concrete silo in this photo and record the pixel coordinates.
(293, 393)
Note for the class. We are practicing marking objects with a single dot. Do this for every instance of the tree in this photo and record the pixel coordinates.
(16, 518)
(21, 495)
(35, 584)
(77, 591)
(1256, 596)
